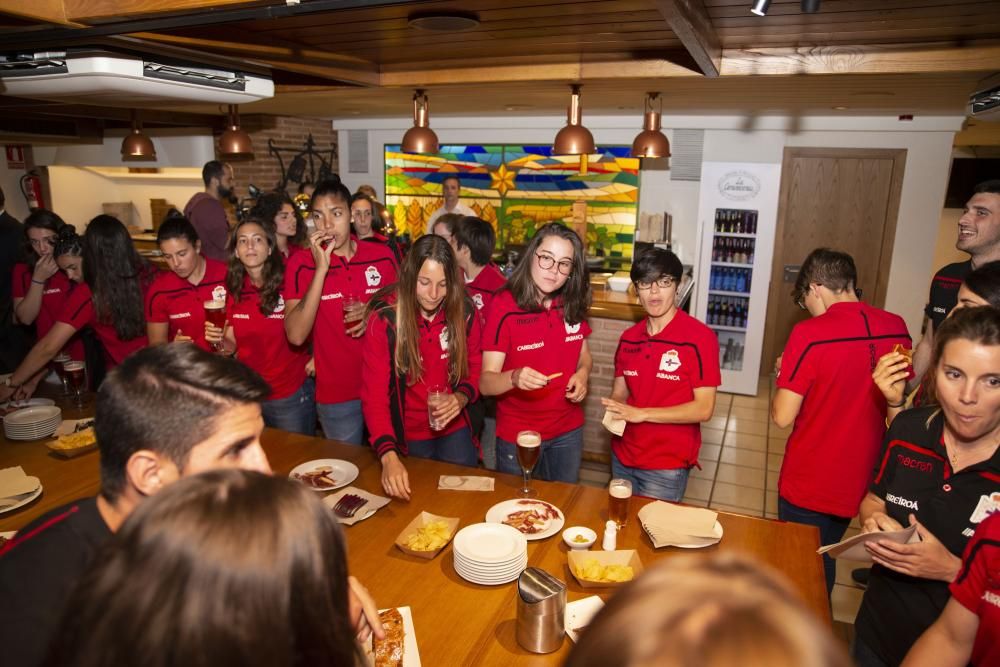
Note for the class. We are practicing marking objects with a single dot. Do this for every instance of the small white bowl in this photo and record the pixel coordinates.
(574, 531)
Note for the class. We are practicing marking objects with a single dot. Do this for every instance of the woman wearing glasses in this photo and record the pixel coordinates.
(666, 374)
(535, 355)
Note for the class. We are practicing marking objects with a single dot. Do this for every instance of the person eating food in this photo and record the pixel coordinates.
(939, 471)
(175, 304)
(421, 365)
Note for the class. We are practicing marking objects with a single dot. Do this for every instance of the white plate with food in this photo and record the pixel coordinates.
(535, 519)
(325, 474)
(398, 625)
(14, 502)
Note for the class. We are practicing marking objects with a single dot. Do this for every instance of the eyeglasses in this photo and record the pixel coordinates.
(663, 282)
(546, 262)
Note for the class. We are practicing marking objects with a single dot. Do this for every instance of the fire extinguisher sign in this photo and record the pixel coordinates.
(15, 157)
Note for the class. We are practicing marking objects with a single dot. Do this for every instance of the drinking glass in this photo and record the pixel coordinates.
(619, 494)
(353, 310)
(76, 377)
(529, 446)
(436, 394)
(215, 313)
(57, 364)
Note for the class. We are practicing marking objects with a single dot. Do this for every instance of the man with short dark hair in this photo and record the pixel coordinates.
(205, 210)
(164, 413)
(473, 242)
(451, 185)
(825, 389)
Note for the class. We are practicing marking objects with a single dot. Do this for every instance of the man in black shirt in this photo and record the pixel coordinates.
(166, 412)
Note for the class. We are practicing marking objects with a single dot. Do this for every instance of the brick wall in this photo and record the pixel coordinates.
(264, 170)
(603, 342)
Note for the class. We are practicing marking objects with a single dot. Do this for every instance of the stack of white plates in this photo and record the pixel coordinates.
(490, 553)
(32, 423)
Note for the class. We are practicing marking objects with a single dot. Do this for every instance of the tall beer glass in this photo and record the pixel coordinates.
(529, 447)
(619, 493)
(215, 313)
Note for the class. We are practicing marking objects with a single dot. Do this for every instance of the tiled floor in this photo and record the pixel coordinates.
(740, 458)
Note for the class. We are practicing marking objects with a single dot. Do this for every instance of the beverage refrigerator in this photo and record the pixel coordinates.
(737, 215)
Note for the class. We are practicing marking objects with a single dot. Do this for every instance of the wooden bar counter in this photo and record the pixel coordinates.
(456, 622)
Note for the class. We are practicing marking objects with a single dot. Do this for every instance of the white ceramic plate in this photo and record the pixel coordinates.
(13, 406)
(14, 502)
(716, 532)
(344, 472)
(411, 652)
(33, 415)
(490, 543)
(501, 511)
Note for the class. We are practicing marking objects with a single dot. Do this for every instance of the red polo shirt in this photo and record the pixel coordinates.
(838, 432)
(977, 587)
(380, 370)
(484, 287)
(338, 356)
(55, 291)
(180, 305)
(78, 312)
(262, 345)
(662, 371)
(547, 343)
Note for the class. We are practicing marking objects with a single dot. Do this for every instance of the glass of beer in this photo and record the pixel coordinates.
(76, 378)
(57, 365)
(436, 394)
(529, 447)
(354, 308)
(215, 313)
(619, 493)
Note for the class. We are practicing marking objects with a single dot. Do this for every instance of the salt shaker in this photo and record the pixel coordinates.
(610, 536)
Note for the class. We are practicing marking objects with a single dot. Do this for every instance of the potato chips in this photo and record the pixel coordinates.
(591, 570)
(83, 438)
(429, 537)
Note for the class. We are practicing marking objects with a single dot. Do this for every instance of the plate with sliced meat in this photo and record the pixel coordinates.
(399, 648)
(325, 474)
(536, 519)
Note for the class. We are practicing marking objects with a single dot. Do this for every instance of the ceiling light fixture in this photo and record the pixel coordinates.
(137, 146)
(760, 7)
(444, 22)
(420, 138)
(574, 139)
(810, 6)
(235, 143)
(651, 142)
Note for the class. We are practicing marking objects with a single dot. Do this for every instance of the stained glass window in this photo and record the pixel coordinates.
(519, 188)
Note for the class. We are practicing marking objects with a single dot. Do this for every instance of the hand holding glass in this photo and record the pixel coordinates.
(436, 394)
(215, 313)
(354, 309)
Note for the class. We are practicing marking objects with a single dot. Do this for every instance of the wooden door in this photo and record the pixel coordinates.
(841, 198)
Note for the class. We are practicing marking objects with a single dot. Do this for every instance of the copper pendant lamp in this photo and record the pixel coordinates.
(651, 142)
(574, 139)
(420, 138)
(235, 143)
(136, 146)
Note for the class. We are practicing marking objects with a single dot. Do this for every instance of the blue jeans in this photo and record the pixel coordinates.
(342, 421)
(455, 447)
(559, 461)
(831, 531)
(667, 484)
(295, 413)
(488, 443)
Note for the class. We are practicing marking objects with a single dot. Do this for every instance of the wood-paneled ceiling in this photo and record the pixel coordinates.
(351, 58)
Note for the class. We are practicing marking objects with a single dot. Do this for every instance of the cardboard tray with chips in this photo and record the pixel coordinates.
(629, 557)
(71, 452)
(419, 522)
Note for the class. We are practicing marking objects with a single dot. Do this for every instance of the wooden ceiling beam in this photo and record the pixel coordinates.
(866, 59)
(689, 20)
(47, 11)
(95, 11)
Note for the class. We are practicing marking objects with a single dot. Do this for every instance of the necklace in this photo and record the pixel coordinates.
(954, 453)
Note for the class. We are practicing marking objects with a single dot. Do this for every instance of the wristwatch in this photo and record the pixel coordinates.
(7, 382)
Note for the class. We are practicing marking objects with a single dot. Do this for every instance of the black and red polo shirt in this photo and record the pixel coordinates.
(662, 371)
(394, 406)
(180, 305)
(829, 360)
(78, 312)
(262, 345)
(484, 287)
(944, 291)
(545, 341)
(338, 356)
(913, 475)
(977, 587)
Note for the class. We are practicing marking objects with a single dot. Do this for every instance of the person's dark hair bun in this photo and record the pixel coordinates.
(66, 233)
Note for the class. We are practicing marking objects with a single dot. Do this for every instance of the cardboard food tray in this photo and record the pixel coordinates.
(628, 557)
(419, 522)
(71, 452)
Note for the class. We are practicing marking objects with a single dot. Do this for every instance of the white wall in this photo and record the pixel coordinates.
(174, 148)
(928, 142)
